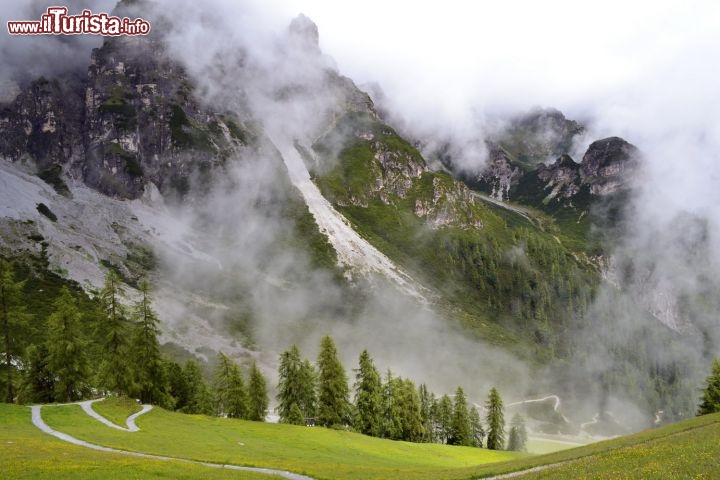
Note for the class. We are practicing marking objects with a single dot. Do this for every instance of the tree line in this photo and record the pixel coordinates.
(106, 347)
(385, 406)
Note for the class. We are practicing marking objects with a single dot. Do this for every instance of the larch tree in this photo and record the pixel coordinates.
(199, 399)
(178, 387)
(258, 399)
(368, 397)
(427, 400)
(443, 417)
(114, 333)
(710, 400)
(460, 423)
(518, 434)
(333, 391)
(296, 386)
(391, 407)
(38, 383)
(230, 392)
(477, 434)
(408, 401)
(150, 378)
(495, 420)
(67, 354)
(13, 321)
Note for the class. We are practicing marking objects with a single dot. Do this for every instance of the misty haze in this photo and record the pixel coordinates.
(449, 233)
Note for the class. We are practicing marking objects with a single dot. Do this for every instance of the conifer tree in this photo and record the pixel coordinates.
(408, 401)
(296, 386)
(476, 430)
(710, 400)
(308, 393)
(257, 395)
(444, 418)
(427, 401)
(460, 423)
(199, 398)
(13, 321)
(150, 380)
(230, 391)
(295, 417)
(178, 387)
(333, 391)
(391, 405)
(368, 397)
(67, 349)
(113, 331)
(495, 420)
(518, 434)
(38, 383)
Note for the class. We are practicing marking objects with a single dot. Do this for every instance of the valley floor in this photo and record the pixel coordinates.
(688, 449)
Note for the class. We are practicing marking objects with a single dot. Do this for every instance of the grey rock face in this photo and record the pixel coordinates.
(607, 164)
(499, 175)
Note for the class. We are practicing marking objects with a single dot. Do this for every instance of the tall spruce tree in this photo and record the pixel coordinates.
(518, 434)
(427, 401)
(14, 322)
(114, 333)
(408, 400)
(476, 429)
(199, 399)
(710, 400)
(391, 408)
(38, 383)
(230, 392)
(495, 420)
(333, 391)
(368, 397)
(67, 349)
(296, 386)
(460, 423)
(179, 389)
(443, 417)
(150, 378)
(258, 400)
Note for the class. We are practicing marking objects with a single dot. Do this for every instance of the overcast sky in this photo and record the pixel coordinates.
(513, 53)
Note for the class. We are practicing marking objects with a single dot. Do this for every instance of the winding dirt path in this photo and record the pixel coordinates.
(131, 425)
(520, 473)
(38, 421)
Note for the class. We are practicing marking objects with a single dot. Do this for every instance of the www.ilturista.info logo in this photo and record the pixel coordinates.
(57, 22)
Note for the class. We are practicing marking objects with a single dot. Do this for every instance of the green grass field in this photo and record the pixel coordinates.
(117, 409)
(317, 452)
(688, 449)
(27, 453)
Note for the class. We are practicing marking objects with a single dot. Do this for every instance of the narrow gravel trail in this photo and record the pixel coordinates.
(38, 421)
(520, 473)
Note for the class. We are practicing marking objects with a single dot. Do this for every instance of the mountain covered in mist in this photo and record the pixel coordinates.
(166, 162)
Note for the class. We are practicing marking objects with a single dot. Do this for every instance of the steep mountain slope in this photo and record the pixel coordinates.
(495, 263)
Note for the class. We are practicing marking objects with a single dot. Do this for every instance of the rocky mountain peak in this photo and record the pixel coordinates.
(608, 157)
(537, 136)
(608, 164)
(303, 33)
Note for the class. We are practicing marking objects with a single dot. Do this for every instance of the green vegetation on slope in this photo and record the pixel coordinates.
(687, 449)
(318, 452)
(28, 454)
(497, 270)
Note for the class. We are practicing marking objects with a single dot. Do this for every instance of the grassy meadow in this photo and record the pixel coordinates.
(688, 449)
